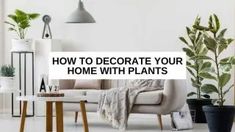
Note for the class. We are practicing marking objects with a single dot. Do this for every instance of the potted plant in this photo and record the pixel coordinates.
(194, 47)
(7, 73)
(19, 23)
(219, 117)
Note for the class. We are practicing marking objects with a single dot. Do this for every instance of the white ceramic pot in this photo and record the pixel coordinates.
(22, 45)
(7, 83)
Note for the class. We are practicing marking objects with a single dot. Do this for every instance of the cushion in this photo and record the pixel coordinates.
(66, 84)
(152, 97)
(87, 84)
(73, 92)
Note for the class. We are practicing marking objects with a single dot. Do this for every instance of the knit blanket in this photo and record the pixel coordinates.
(116, 104)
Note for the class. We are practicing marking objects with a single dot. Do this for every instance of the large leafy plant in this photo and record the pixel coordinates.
(20, 21)
(216, 43)
(7, 71)
(194, 47)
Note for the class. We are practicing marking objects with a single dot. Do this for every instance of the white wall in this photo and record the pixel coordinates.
(1, 31)
(1, 41)
(124, 25)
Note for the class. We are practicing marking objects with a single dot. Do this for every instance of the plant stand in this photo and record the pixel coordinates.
(22, 58)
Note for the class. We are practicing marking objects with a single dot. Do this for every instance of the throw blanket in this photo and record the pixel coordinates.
(116, 104)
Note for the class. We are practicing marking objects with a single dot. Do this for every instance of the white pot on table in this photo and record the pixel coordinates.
(7, 83)
(22, 45)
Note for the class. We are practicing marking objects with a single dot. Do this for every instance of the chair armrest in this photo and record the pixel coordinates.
(174, 96)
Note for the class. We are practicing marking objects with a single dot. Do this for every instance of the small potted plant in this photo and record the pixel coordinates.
(7, 73)
(19, 23)
(219, 117)
(194, 47)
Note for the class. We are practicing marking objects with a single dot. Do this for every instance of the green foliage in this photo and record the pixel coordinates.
(7, 71)
(20, 22)
(196, 52)
(216, 43)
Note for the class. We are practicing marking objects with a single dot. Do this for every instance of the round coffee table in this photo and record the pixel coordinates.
(49, 110)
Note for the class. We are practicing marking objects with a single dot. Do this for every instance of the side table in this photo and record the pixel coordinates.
(49, 110)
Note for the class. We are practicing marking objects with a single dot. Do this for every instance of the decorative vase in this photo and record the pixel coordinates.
(7, 83)
(22, 45)
(195, 106)
(219, 119)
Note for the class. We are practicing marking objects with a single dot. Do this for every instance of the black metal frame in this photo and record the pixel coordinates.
(24, 91)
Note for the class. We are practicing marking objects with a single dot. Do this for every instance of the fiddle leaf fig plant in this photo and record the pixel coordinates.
(196, 50)
(20, 21)
(216, 42)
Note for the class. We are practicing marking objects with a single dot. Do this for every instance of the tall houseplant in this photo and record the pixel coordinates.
(7, 73)
(19, 22)
(194, 47)
(219, 117)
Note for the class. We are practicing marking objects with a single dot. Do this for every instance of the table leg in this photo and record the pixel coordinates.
(23, 115)
(84, 117)
(76, 117)
(59, 117)
(49, 118)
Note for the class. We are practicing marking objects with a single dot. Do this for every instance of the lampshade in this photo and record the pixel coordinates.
(80, 15)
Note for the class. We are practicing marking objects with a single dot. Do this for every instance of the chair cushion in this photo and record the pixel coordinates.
(66, 84)
(73, 92)
(144, 98)
(152, 97)
(87, 84)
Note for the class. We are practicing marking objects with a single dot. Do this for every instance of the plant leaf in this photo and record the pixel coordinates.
(229, 41)
(188, 30)
(221, 34)
(200, 27)
(209, 88)
(189, 52)
(223, 79)
(210, 43)
(205, 66)
(225, 67)
(217, 23)
(226, 91)
(24, 24)
(191, 94)
(201, 58)
(11, 29)
(20, 12)
(222, 47)
(183, 40)
(206, 96)
(207, 75)
(191, 72)
(9, 23)
(210, 22)
(33, 16)
(226, 60)
(14, 18)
